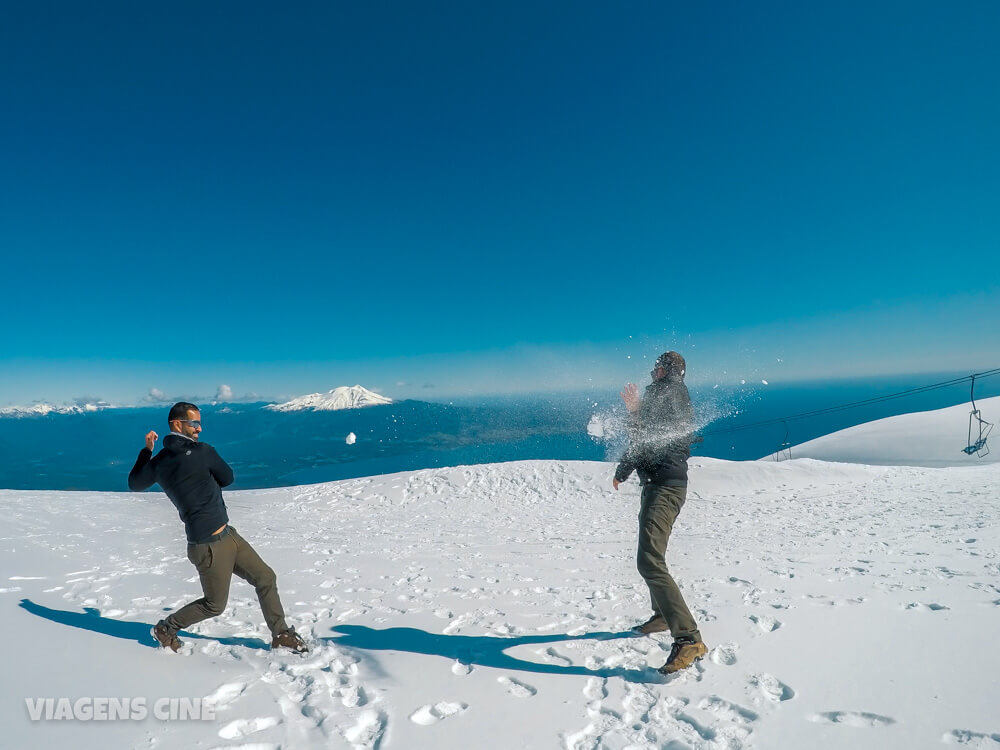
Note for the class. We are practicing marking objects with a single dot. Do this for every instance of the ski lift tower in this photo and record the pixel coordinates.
(784, 451)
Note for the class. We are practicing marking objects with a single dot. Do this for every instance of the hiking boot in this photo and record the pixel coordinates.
(655, 624)
(683, 655)
(166, 636)
(289, 639)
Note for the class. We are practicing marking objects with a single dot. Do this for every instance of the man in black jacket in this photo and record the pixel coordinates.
(661, 427)
(192, 475)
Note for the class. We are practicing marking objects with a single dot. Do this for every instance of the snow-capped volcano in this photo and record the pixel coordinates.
(345, 397)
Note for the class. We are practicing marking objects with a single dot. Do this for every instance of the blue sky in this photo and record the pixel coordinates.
(435, 199)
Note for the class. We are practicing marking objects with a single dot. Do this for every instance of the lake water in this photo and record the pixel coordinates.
(267, 449)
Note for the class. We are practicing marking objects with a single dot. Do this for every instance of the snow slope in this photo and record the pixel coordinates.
(487, 607)
(344, 397)
(930, 438)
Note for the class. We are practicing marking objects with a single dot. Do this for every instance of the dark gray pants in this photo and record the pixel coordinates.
(659, 510)
(216, 563)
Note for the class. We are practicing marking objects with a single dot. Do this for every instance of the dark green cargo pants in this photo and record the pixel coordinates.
(216, 563)
(660, 507)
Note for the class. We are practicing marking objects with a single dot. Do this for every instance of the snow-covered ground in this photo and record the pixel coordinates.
(928, 438)
(488, 607)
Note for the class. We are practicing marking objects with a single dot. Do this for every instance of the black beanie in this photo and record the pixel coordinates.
(672, 362)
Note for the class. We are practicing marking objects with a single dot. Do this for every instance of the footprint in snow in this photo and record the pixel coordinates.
(354, 696)
(972, 739)
(427, 715)
(724, 654)
(706, 733)
(765, 623)
(727, 710)
(551, 655)
(224, 695)
(517, 688)
(240, 728)
(772, 688)
(861, 719)
(595, 689)
(367, 731)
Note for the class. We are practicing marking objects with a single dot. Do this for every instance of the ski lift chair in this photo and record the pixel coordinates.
(978, 427)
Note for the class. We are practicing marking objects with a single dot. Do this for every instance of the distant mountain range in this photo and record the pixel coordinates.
(345, 397)
(42, 409)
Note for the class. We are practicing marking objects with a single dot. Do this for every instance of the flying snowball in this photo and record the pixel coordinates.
(351, 438)
(595, 427)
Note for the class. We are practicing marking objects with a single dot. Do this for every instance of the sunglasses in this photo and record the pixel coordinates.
(192, 422)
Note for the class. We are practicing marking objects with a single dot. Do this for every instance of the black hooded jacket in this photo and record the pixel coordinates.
(660, 435)
(192, 475)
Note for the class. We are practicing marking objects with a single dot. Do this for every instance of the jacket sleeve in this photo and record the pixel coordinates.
(625, 468)
(143, 475)
(220, 469)
(686, 416)
(628, 460)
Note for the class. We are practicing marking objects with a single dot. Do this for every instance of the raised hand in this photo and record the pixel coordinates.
(151, 439)
(630, 395)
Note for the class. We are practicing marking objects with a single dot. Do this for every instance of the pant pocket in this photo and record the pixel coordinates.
(200, 555)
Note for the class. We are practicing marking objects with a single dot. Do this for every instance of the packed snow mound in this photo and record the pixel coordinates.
(489, 607)
(43, 409)
(344, 397)
(926, 438)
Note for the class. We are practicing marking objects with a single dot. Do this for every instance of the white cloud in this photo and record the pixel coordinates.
(224, 393)
(155, 396)
(88, 401)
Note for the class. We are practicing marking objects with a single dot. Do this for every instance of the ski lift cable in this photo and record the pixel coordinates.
(855, 404)
(851, 405)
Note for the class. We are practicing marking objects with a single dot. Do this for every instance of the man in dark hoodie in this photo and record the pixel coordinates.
(661, 427)
(192, 475)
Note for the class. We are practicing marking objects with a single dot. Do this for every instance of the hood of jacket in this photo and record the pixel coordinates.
(176, 443)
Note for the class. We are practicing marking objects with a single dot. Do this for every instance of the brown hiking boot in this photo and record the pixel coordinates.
(655, 624)
(289, 639)
(166, 636)
(683, 655)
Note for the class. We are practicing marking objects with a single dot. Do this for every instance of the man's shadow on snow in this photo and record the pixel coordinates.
(90, 619)
(483, 650)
